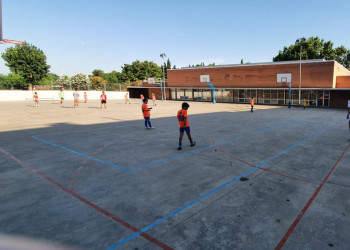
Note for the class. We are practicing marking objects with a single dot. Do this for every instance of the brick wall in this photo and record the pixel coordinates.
(339, 98)
(343, 82)
(314, 75)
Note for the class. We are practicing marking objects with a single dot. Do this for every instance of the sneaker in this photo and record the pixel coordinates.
(193, 144)
(179, 147)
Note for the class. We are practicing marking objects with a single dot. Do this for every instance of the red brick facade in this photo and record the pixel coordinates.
(314, 74)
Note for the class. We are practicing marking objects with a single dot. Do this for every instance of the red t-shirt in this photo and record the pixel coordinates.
(145, 111)
(103, 97)
(181, 115)
(252, 102)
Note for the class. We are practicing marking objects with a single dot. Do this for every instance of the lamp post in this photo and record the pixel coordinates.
(162, 56)
(299, 41)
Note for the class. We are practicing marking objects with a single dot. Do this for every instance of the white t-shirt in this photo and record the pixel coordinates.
(76, 95)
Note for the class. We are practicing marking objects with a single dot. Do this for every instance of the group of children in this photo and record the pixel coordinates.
(182, 117)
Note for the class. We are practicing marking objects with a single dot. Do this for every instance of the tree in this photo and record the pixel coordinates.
(168, 64)
(79, 81)
(314, 48)
(48, 79)
(97, 72)
(112, 77)
(64, 81)
(13, 80)
(140, 71)
(97, 82)
(27, 61)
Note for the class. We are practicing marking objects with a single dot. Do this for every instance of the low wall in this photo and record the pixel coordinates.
(25, 95)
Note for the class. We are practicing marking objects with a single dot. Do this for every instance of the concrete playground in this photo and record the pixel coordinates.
(92, 178)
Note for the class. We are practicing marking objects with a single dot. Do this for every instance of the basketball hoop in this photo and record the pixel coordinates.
(3, 41)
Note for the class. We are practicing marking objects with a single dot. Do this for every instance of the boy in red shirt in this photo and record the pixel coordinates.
(146, 113)
(36, 99)
(103, 99)
(252, 104)
(184, 125)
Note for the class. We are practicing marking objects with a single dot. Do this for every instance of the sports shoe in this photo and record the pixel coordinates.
(193, 144)
(179, 147)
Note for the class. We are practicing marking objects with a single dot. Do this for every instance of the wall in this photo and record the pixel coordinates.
(343, 82)
(314, 75)
(340, 82)
(23, 95)
(339, 98)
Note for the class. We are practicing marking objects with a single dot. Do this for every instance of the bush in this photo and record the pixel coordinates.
(12, 80)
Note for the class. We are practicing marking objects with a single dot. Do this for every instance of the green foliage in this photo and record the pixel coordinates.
(314, 48)
(97, 72)
(112, 77)
(97, 82)
(49, 79)
(140, 71)
(12, 80)
(27, 61)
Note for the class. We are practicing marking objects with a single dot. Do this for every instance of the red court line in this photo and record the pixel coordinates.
(264, 169)
(89, 203)
(74, 181)
(308, 204)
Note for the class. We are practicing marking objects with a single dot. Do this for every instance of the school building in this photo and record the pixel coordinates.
(323, 83)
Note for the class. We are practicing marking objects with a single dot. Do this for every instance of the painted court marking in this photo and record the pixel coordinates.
(263, 169)
(169, 158)
(214, 190)
(308, 204)
(89, 203)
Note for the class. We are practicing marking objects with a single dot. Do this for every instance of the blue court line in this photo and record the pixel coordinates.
(172, 157)
(216, 145)
(213, 191)
(81, 154)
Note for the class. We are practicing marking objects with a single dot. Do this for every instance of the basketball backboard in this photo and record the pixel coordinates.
(284, 78)
(204, 78)
(151, 80)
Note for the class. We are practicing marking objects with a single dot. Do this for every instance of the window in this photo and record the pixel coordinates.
(188, 94)
(180, 94)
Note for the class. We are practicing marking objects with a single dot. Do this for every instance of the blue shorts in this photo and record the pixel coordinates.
(187, 129)
(147, 118)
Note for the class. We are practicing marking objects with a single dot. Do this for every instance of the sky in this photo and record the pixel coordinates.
(78, 36)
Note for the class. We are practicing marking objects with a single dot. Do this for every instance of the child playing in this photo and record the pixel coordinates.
(76, 96)
(85, 97)
(103, 98)
(252, 104)
(36, 99)
(184, 125)
(61, 96)
(146, 113)
(126, 96)
(154, 99)
(141, 97)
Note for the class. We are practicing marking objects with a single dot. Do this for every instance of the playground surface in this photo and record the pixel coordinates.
(92, 178)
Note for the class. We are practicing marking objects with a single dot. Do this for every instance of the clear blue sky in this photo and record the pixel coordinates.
(79, 36)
